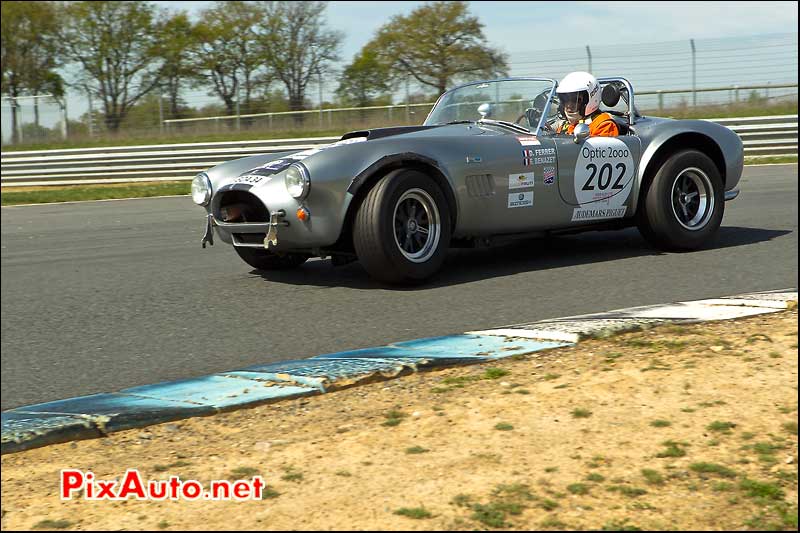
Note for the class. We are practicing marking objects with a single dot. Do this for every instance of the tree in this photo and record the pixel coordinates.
(228, 54)
(29, 53)
(297, 45)
(363, 80)
(176, 42)
(437, 44)
(115, 45)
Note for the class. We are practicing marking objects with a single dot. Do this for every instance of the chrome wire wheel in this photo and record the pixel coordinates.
(692, 199)
(417, 225)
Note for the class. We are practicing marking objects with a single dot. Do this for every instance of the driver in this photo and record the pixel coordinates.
(579, 97)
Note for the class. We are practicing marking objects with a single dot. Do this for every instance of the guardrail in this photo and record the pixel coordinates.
(762, 136)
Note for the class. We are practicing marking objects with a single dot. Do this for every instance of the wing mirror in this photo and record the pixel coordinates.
(580, 133)
(485, 110)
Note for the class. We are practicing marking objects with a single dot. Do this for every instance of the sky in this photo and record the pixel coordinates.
(519, 27)
(524, 29)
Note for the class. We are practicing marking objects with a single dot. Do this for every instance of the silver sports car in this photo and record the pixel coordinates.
(485, 164)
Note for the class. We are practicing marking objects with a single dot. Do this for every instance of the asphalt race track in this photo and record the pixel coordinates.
(105, 295)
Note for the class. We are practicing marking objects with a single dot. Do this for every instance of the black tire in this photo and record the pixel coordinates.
(266, 260)
(673, 220)
(384, 236)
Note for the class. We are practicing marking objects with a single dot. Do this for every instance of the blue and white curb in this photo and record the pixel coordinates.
(98, 415)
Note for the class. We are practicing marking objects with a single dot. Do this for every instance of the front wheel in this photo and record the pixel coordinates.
(402, 228)
(682, 207)
(266, 260)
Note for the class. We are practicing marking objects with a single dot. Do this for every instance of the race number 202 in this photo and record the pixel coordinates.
(605, 177)
(604, 174)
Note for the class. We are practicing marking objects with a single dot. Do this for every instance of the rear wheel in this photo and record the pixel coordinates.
(682, 207)
(266, 260)
(402, 228)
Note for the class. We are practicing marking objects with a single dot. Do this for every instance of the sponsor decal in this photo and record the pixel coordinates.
(593, 213)
(529, 140)
(549, 175)
(520, 199)
(604, 173)
(520, 181)
(474, 159)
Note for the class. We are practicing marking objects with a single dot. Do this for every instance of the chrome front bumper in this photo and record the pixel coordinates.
(269, 229)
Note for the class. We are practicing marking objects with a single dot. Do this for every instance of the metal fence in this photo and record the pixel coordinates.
(762, 136)
(660, 102)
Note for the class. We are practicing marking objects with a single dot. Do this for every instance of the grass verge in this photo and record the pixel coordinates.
(78, 193)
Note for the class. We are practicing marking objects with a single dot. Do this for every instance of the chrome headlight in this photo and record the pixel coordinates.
(297, 181)
(201, 189)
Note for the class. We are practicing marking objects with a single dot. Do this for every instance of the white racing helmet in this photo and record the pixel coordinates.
(582, 87)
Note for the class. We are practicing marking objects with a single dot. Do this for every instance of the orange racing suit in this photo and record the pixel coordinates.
(601, 125)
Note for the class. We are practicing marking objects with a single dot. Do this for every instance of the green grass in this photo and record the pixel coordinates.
(548, 505)
(660, 423)
(243, 472)
(621, 525)
(78, 193)
(712, 468)
(494, 373)
(269, 494)
(552, 522)
(493, 514)
(596, 478)
(578, 488)
(790, 427)
(52, 524)
(631, 492)
(417, 513)
(673, 449)
(291, 474)
(721, 427)
(653, 477)
(770, 160)
(761, 489)
(393, 418)
(722, 486)
(581, 413)
(503, 426)
(413, 450)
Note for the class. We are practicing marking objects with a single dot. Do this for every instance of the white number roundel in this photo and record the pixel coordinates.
(603, 172)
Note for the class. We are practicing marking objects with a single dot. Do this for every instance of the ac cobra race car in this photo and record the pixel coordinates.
(486, 164)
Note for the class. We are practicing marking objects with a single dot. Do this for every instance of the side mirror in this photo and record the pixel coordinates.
(580, 133)
(485, 109)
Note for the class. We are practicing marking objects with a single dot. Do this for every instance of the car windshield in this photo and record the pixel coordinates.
(512, 101)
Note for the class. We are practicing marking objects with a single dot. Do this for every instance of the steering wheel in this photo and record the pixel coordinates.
(534, 113)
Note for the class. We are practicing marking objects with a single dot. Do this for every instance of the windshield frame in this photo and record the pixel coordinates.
(539, 126)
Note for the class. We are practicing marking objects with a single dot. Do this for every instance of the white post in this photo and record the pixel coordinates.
(589, 55)
(64, 118)
(319, 82)
(694, 73)
(238, 110)
(91, 113)
(160, 111)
